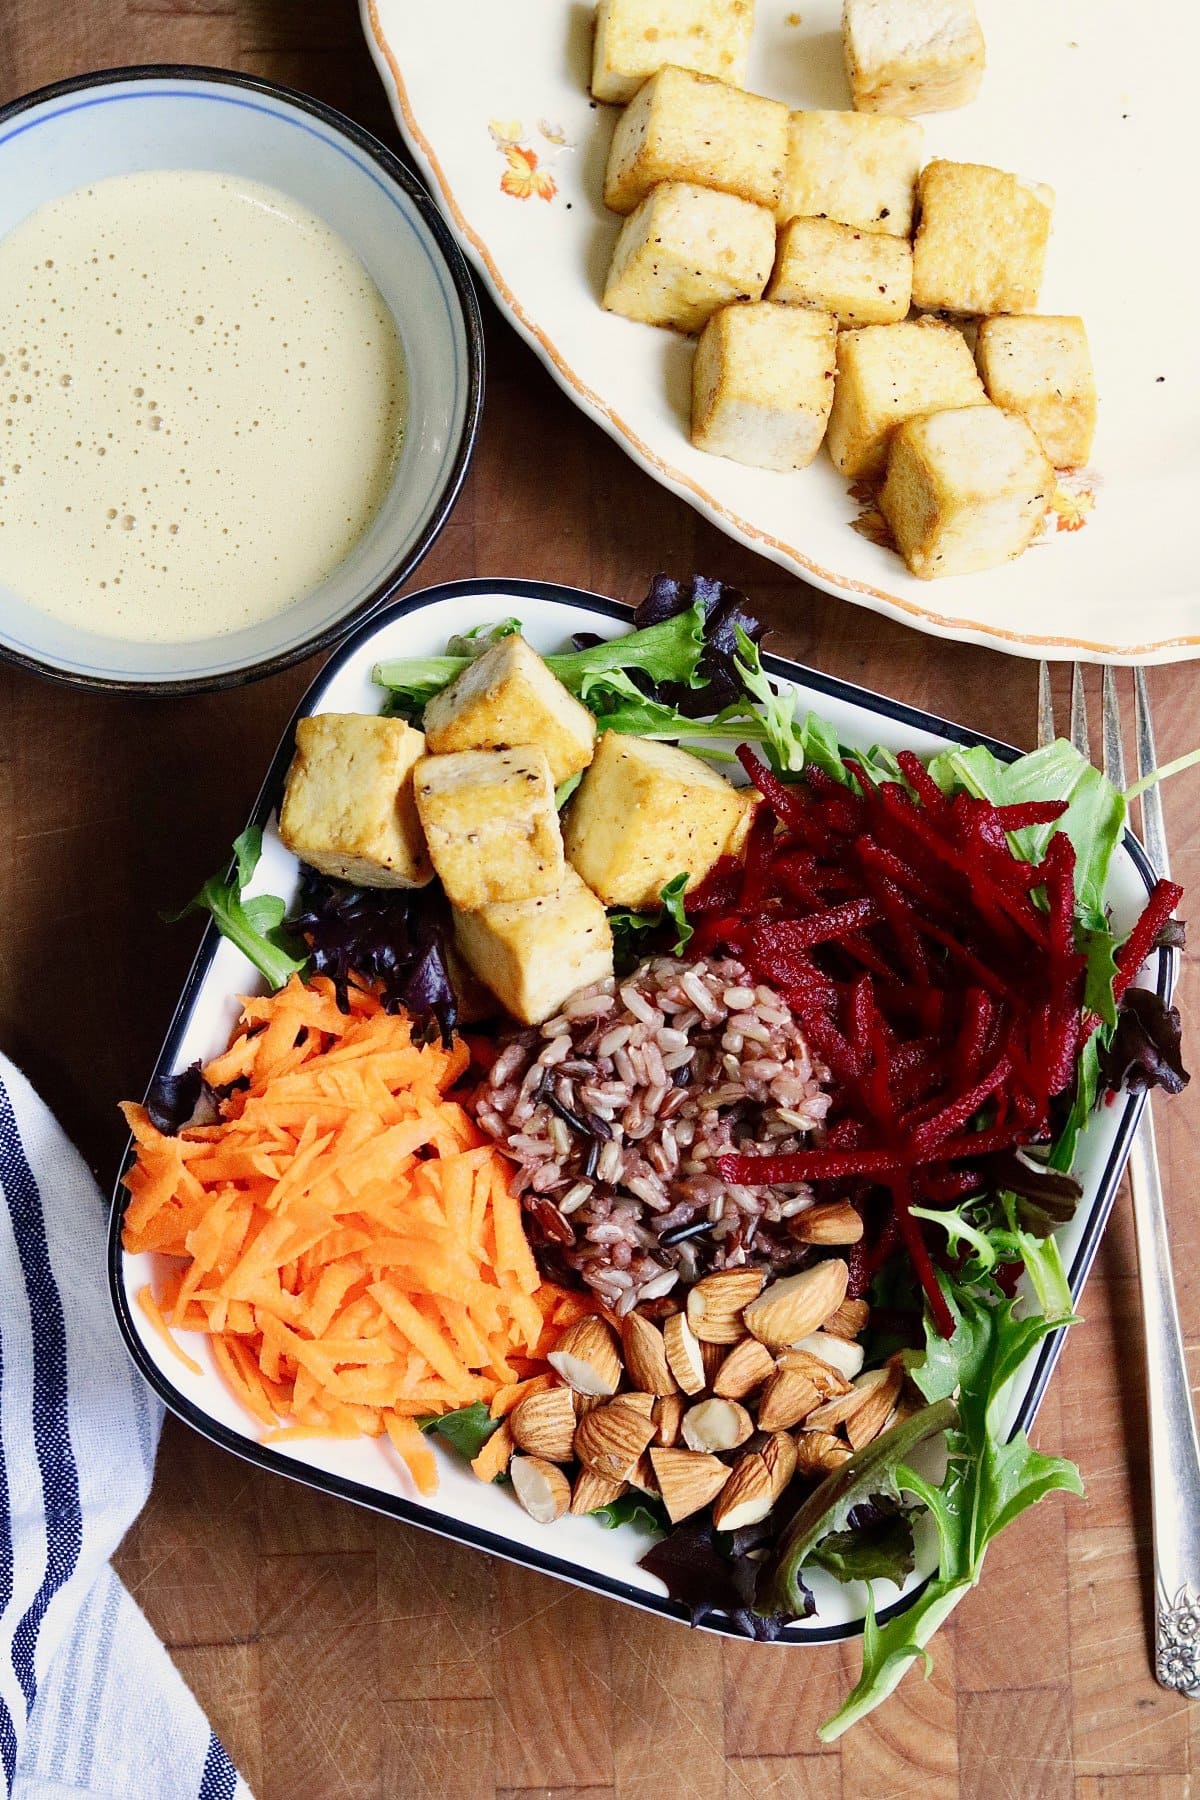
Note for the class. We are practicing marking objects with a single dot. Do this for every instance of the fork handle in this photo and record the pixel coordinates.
(1174, 1450)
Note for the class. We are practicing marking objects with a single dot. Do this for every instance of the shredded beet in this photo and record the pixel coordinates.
(935, 973)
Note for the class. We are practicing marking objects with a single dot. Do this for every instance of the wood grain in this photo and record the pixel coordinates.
(341, 1655)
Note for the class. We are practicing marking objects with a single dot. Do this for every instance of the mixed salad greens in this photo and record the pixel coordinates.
(691, 672)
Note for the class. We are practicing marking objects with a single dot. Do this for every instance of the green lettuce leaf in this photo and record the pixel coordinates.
(1083, 1104)
(990, 1480)
(880, 1549)
(869, 1473)
(473, 643)
(793, 743)
(1095, 815)
(988, 1233)
(776, 707)
(413, 681)
(467, 1430)
(672, 899)
(1095, 940)
(670, 651)
(629, 932)
(633, 1508)
(630, 928)
(254, 925)
(619, 705)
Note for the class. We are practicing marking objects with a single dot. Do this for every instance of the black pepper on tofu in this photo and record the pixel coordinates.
(491, 824)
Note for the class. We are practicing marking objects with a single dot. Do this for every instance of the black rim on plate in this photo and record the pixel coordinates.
(428, 1518)
(464, 289)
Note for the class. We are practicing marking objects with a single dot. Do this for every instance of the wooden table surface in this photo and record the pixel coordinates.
(340, 1655)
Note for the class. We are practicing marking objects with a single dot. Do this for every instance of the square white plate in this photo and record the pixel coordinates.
(578, 1550)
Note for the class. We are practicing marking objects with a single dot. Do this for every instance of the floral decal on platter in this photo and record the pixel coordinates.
(525, 176)
(870, 522)
(1072, 501)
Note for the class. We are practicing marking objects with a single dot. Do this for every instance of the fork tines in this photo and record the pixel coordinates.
(1153, 829)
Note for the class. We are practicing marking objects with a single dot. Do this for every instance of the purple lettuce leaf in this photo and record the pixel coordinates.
(181, 1099)
(1145, 1049)
(707, 1579)
(725, 608)
(392, 936)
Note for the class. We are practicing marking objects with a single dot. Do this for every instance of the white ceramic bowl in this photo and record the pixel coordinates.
(124, 121)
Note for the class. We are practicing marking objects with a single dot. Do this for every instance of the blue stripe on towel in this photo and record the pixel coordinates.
(219, 1780)
(100, 1668)
(51, 1421)
(8, 1733)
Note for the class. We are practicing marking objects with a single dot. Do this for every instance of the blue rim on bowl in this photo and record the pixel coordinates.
(95, 125)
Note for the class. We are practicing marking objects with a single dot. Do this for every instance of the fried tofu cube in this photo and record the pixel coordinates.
(644, 813)
(508, 696)
(686, 251)
(861, 277)
(856, 168)
(687, 127)
(981, 243)
(348, 806)
(1040, 366)
(490, 823)
(966, 489)
(533, 954)
(762, 384)
(890, 373)
(636, 38)
(912, 56)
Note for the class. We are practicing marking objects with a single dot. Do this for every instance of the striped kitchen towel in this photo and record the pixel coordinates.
(91, 1705)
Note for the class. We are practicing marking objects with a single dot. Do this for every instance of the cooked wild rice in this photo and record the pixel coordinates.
(616, 1109)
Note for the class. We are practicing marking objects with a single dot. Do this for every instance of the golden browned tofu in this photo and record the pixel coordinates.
(981, 243)
(636, 38)
(686, 251)
(687, 127)
(490, 823)
(644, 813)
(857, 168)
(1041, 367)
(762, 384)
(348, 807)
(533, 954)
(861, 277)
(912, 56)
(508, 696)
(965, 490)
(889, 373)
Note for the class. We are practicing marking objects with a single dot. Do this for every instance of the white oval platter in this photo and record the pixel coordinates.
(1087, 95)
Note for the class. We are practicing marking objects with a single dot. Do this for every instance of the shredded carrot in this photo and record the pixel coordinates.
(506, 1399)
(496, 1454)
(414, 1451)
(150, 1307)
(349, 1243)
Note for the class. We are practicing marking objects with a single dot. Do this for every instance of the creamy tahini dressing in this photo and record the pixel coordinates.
(201, 405)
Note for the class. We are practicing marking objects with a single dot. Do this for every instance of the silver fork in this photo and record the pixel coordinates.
(1174, 1449)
